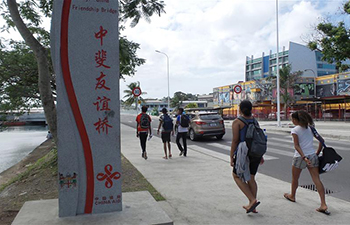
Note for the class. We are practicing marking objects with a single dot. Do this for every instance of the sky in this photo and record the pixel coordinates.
(207, 41)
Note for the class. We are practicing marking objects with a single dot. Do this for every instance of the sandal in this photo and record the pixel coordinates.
(165, 157)
(253, 207)
(288, 198)
(170, 155)
(324, 211)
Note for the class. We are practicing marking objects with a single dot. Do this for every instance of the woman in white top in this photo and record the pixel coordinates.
(305, 156)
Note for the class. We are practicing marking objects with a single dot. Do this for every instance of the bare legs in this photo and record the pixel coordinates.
(165, 150)
(315, 178)
(295, 183)
(249, 189)
(320, 189)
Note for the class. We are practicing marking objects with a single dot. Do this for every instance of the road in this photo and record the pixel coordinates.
(278, 158)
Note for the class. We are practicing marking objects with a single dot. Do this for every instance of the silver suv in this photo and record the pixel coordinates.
(204, 124)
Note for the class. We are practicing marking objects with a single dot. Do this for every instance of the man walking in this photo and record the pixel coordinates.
(166, 123)
(182, 122)
(143, 127)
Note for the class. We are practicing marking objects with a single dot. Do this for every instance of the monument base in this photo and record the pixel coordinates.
(138, 208)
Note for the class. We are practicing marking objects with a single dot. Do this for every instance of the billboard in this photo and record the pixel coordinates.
(326, 90)
(304, 90)
(344, 87)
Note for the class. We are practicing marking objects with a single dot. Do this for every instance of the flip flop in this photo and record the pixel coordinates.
(253, 207)
(170, 155)
(286, 196)
(165, 157)
(324, 211)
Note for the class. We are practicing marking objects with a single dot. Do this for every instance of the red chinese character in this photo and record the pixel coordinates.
(101, 34)
(101, 83)
(102, 125)
(102, 104)
(100, 57)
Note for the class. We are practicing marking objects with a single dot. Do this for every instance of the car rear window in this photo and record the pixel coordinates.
(209, 117)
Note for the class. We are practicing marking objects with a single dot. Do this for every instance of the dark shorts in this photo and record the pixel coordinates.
(254, 163)
(166, 137)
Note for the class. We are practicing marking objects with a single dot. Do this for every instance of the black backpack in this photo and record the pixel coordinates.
(167, 123)
(255, 138)
(330, 158)
(184, 121)
(144, 121)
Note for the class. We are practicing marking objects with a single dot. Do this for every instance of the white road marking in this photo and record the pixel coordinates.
(330, 143)
(280, 152)
(218, 145)
(220, 155)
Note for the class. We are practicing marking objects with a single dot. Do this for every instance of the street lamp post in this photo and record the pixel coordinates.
(278, 72)
(167, 57)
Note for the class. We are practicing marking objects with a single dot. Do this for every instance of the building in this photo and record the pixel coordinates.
(155, 103)
(200, 104)
(300, 57)
(329, 100)
(208, 98)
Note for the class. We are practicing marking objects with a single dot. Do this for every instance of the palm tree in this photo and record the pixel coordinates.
(137, 9)
(288, 81)
(130, 99)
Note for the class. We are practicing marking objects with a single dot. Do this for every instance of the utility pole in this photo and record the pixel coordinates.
(278, 72)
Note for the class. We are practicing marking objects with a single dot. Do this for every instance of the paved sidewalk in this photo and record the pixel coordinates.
(331, 129)
(200, 190)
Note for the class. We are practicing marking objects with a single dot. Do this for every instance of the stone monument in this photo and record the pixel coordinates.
(85, 53)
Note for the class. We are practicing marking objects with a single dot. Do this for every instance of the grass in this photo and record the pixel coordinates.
(47, 161)
(133, 180)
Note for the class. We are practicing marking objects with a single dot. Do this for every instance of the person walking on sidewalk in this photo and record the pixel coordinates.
(305, 156)
(143, 127)
(166, 125)
(182, 122)
(248, 185)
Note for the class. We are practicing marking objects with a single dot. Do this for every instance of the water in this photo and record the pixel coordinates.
(18, 142)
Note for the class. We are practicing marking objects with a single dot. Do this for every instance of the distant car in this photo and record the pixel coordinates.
(273, 116)
(260, 115)
(205, 124)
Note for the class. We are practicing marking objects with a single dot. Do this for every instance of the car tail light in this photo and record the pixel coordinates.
(200, 123)
(221, 122)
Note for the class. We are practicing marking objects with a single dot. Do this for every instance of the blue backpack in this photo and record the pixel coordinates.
(167, 123)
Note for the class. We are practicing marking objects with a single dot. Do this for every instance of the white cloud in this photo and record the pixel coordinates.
(207, 41)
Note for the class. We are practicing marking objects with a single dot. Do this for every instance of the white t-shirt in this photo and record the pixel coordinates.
(305, 140)
(181, 129)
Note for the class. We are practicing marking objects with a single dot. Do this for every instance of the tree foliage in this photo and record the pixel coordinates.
(333, 40)
(179, 97)
(130, 99)
(33, 12)
(191, 105)
(288, 82)
(18, 78)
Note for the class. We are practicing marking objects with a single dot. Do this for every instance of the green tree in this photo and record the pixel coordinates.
(178, 98)
(19, 78)
(26, 17)
(130, 99)
(333, 41)
(191, 105)
(288, 81)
